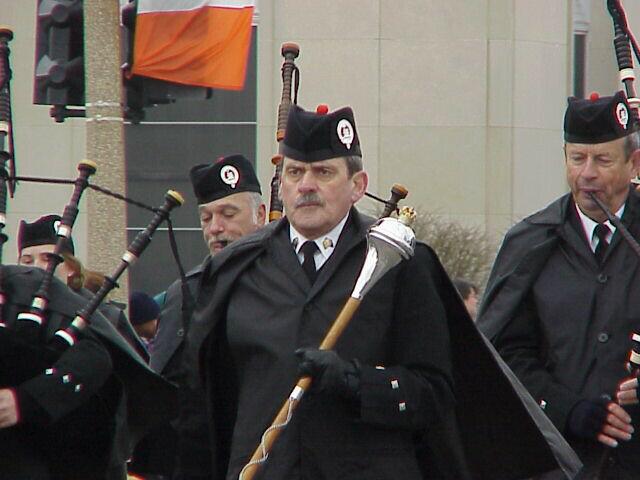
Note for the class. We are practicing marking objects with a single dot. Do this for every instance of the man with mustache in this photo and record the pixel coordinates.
(563, 295)
(230, 206)
(381, 401)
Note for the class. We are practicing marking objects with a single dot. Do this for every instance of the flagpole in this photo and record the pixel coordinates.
(107, 220)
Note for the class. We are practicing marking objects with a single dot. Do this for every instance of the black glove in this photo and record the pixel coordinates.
(587, 417)
(330, 372)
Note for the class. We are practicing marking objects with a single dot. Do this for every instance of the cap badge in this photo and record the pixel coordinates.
(229, 175)
(56, 225)
(622, 114)
(345, 132)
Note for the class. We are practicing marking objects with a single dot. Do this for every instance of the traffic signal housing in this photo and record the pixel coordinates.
(59, 64)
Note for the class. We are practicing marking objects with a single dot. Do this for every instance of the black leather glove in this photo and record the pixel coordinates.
(587, 417)
(330, 372)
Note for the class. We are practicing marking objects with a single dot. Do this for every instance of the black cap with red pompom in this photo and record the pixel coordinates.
(320, 135)
(598, 119)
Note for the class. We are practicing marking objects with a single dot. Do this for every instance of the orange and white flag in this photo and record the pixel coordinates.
(194, 42)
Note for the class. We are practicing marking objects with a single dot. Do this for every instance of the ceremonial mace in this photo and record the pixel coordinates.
(389, 241)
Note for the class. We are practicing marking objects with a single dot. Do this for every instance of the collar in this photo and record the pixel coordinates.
(589, 225)
(326, 243)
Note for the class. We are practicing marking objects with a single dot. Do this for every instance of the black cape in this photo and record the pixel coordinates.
(492, 407)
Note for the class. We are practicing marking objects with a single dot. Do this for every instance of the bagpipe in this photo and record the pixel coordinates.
(30, 346)
(289, 96)
(389, 241)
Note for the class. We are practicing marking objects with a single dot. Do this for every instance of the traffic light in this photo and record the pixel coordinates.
(59, 65)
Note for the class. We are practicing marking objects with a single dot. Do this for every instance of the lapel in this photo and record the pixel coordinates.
(573, 233)
(353, 234)
(285, 258)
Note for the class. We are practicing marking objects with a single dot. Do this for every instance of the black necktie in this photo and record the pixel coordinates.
(601, 231)
(309, 249)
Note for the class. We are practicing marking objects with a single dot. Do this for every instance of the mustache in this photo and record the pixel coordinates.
(308, 199)
(220, 239)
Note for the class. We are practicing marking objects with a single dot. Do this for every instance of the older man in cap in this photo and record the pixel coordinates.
(563, 295)
(267, 301)
(230, 206)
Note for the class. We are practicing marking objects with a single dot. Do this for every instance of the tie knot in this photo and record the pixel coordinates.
(309, 248)
(601, 231)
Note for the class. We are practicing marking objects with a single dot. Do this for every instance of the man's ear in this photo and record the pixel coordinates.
(635, 158)
(262, 214)
(360, 183)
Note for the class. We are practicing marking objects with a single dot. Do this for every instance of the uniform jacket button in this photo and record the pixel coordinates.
(602, 278)
(180, 332)
(603, 337)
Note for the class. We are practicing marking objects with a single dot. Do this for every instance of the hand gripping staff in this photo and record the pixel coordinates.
(29, 323)
(66, 338)
(290, 52)
(389, 242)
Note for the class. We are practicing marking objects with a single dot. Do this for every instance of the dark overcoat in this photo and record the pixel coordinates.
(561, 320)
(412, 323)
(169, 339)
(182, 445)
(69, 403)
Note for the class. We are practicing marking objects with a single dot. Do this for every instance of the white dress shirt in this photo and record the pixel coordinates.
(326, 244)
(589, 225)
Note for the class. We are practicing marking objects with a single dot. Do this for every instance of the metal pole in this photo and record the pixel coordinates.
(107, 219)
(581, 22)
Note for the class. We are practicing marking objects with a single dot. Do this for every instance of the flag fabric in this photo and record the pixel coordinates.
(193, 42)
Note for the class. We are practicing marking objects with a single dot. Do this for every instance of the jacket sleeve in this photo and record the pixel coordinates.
(521, 346)
(67, 384)
(411, 391)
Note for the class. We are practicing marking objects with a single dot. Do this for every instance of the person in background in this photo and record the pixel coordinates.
(143, 315)
(563, 295)
(229, 206)
(469, 293)
(37, 241)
